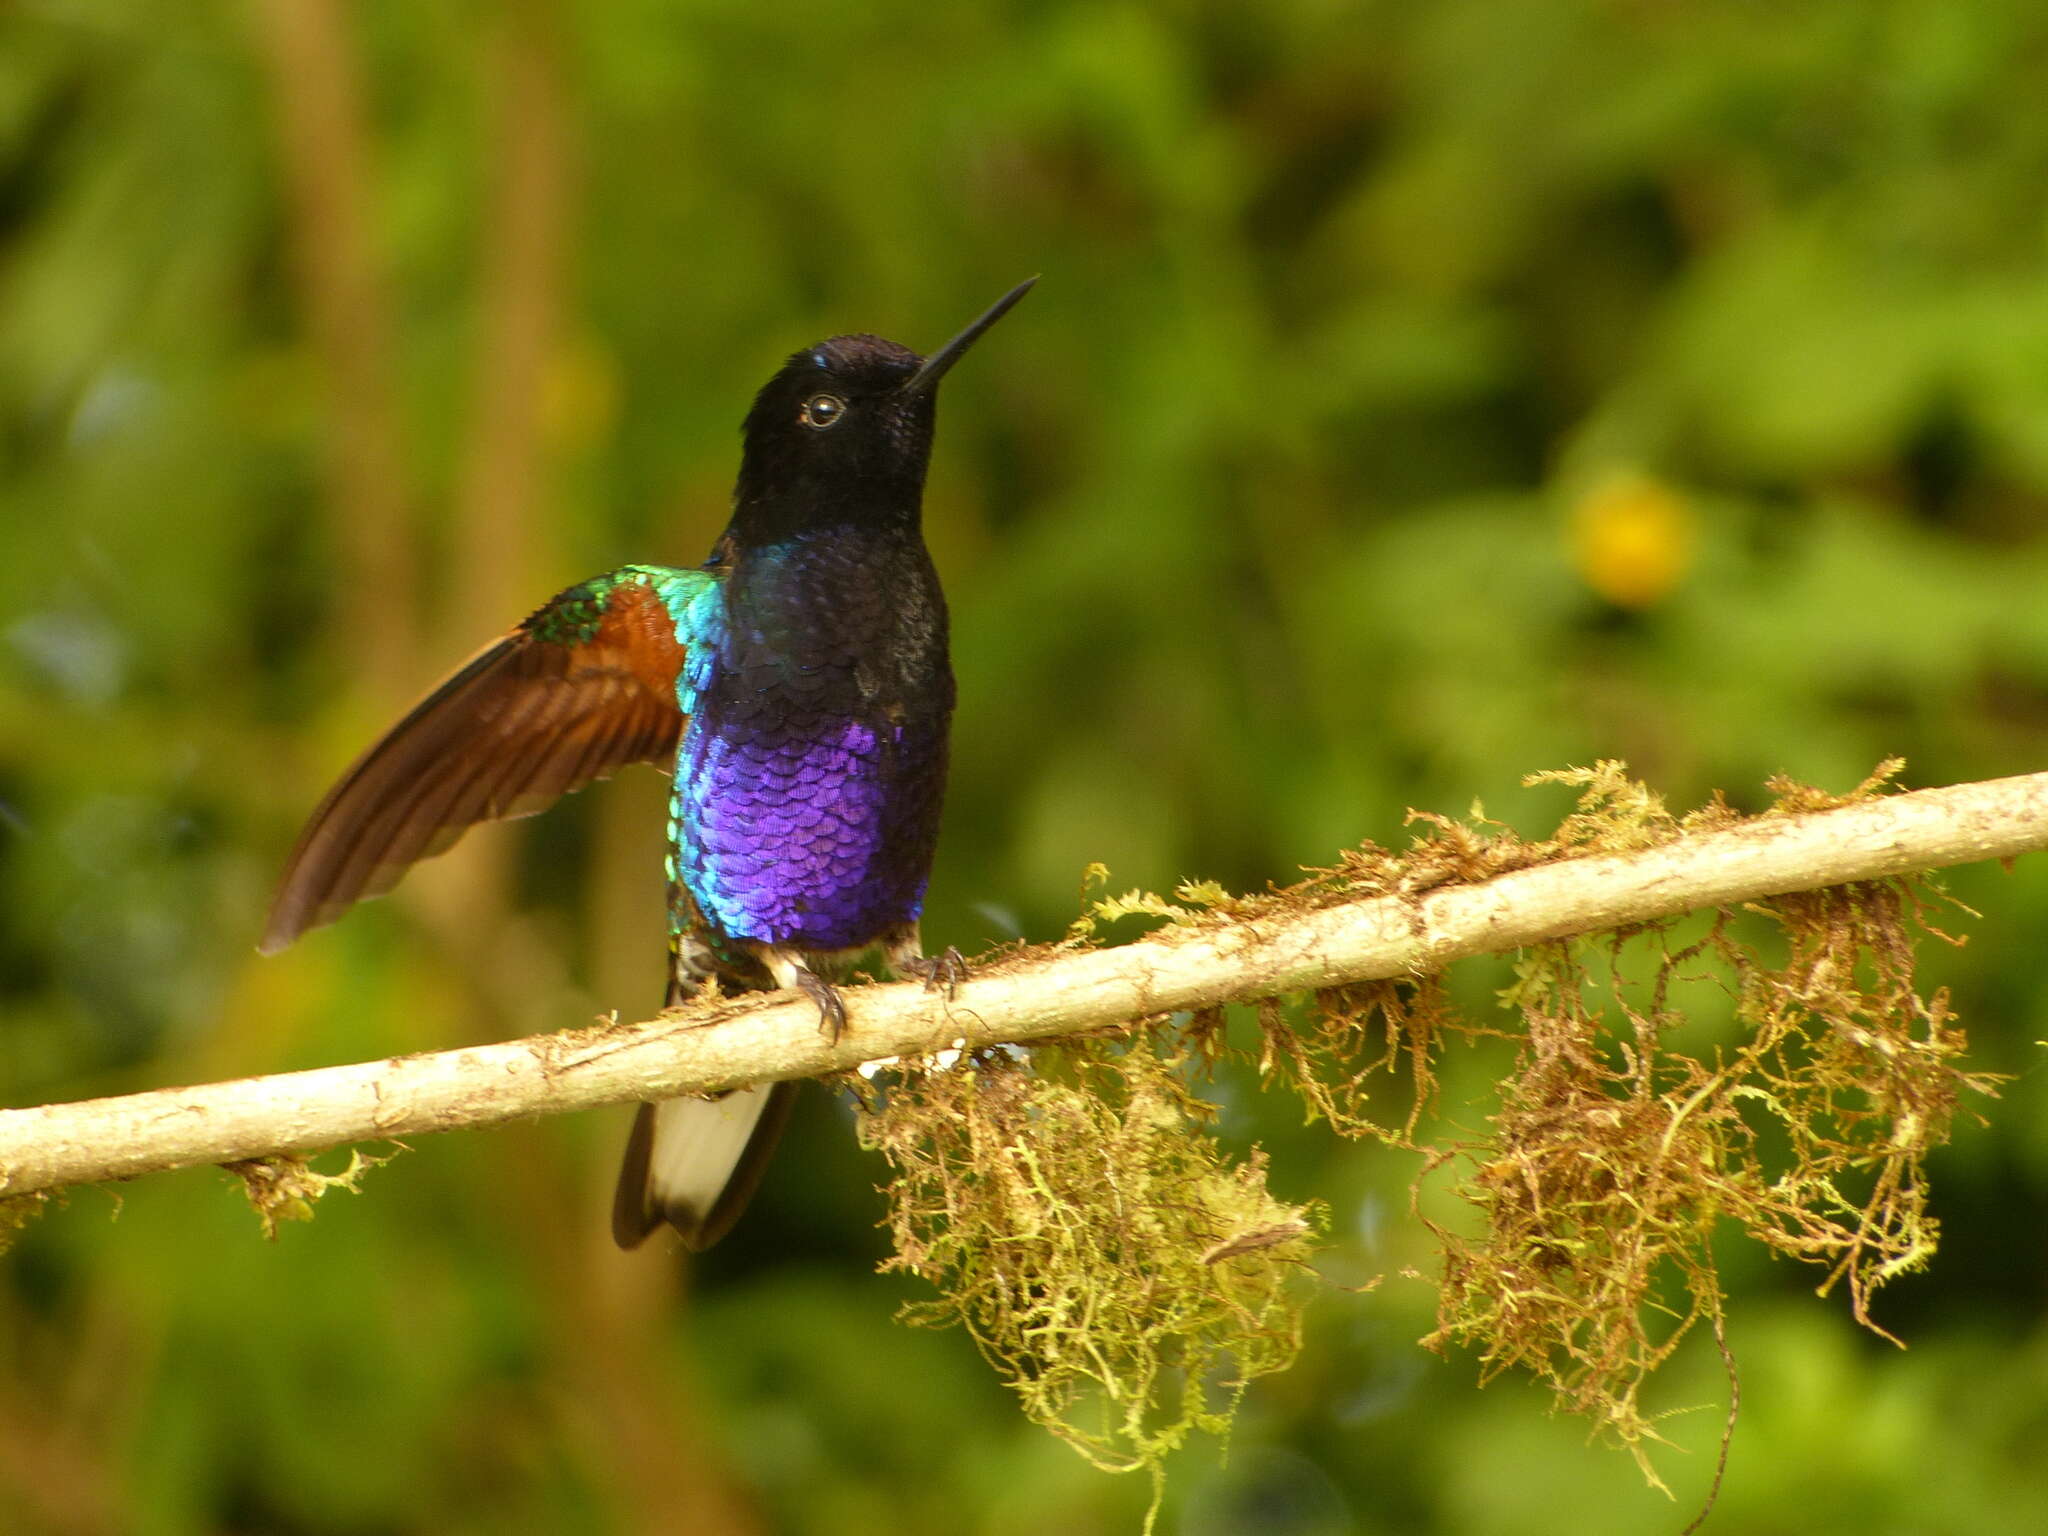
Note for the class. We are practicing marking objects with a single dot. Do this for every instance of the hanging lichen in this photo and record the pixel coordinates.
(1118, 1270)
(286, 1188)
(17, 1211)
(1071, 1211)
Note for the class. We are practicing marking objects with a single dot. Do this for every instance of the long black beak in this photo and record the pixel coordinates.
(935, 366)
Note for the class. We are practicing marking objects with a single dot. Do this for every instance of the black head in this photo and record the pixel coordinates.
(843, 432)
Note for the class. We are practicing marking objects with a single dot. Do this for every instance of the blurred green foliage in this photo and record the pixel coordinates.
(1416, 396)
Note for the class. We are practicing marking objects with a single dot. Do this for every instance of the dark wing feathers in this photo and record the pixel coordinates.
(524, 722)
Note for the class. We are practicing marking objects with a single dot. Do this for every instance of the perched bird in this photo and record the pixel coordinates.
(799, 683)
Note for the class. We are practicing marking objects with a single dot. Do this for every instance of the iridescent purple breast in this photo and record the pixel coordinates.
(804, 834)
(808, 783)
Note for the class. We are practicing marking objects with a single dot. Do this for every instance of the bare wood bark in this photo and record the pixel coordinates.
(1215, 961)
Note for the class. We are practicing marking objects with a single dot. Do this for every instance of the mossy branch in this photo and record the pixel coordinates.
(1322, 935)
(1128, 1276)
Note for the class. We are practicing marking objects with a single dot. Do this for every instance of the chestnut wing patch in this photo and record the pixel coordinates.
(583, 687)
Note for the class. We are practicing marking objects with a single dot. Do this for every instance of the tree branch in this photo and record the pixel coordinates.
(1219, 958)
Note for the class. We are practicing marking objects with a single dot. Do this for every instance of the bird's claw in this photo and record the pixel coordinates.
(945, 969)
(831, 1006)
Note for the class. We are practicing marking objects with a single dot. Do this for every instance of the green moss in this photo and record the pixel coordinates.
(1118, 1270)
(17, 1211)
(1079, 1222)
(286, 1188)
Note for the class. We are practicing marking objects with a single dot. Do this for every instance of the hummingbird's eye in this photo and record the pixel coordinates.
(821, 411)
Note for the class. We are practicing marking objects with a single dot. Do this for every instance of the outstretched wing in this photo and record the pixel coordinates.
(584, 686)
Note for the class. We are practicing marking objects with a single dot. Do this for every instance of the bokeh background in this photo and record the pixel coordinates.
(1416, 396)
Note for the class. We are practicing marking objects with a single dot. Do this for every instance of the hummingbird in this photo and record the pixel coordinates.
(799, 687)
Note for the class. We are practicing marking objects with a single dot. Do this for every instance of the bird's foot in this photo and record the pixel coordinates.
(831, 1006)
(945, 969)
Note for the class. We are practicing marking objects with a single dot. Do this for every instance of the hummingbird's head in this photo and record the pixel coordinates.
(843, 432)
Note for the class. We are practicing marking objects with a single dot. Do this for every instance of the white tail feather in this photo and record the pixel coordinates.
(697, 1145)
